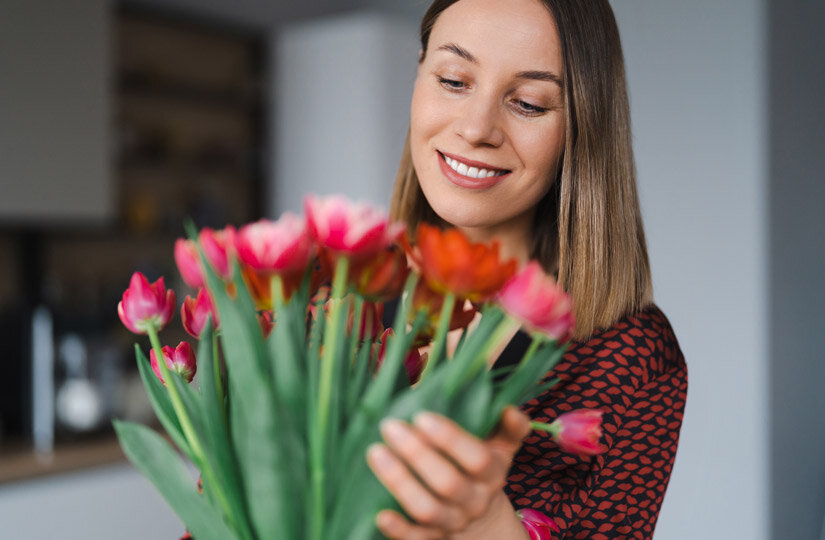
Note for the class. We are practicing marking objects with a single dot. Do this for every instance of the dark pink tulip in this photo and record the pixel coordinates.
(355, 230)
(189, 262)
(413, 362)
(218, 246)
(579, 431)
(181, 360)
(534, 298)
(282, 246)
(144, 305)
(538, 525)
(194, 312)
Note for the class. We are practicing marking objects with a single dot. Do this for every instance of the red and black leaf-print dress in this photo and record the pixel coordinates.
(636, 374)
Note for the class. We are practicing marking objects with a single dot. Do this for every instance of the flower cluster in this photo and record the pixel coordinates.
(288, 316)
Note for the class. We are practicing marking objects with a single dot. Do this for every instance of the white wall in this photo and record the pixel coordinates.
(107, 503)
(341, 96)
(54, 111)
(697, 77)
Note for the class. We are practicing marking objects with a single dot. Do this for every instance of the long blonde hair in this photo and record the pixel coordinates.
(588, 228)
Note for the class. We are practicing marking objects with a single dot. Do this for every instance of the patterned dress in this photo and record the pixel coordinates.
(635, 373)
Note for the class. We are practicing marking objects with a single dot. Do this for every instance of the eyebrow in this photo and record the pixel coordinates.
(534, 75)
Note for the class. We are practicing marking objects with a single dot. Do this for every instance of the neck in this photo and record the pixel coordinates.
(513, 237)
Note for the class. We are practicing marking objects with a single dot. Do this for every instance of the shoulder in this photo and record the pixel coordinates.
(636, 349)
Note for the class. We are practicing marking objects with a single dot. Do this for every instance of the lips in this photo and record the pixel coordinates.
(469, 174)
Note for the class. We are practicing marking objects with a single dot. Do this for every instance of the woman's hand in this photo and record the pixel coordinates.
(448, 481)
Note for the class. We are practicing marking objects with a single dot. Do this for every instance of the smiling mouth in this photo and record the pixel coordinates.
(472, 171)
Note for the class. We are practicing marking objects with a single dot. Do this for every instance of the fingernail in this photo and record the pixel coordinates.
(428, 422)
(394, 430)
(378, 455)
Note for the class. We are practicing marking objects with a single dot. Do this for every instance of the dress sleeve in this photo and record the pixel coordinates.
(640, 384)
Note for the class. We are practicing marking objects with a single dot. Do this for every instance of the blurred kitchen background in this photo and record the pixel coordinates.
(120, 119)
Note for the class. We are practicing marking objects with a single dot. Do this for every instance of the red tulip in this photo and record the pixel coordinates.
(578, 431)
(267, 322)
(381, 277)
(194, 312)
(535, 299)
(144, 305)
(425, 298)
(218, 246)
(181, 360)
(538, 525)
(449, 262)
(282, 246)
(355, 230)
(189, 262)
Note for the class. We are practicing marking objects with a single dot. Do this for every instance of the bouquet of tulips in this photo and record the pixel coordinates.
(295, 371)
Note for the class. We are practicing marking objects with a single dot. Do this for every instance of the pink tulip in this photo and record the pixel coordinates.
(189, 262)
(355, 230)
(578, 431)
(282, 246)
(538, 525)
(181, 360)
(144, 305)
(194, 312)
(218, 246)
(535, 299)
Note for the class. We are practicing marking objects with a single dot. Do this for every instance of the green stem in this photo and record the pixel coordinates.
(328, 358)
(276, 287)
(439, 343)
(553, 428)
(502, 333)
(186, 425)
(216, 366)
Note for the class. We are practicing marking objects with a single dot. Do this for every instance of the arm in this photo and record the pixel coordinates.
(447, 480)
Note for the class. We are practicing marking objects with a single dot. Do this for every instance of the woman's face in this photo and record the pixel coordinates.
(487, 118)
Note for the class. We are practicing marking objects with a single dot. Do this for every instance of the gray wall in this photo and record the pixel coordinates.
(54, 111)
(797, 267)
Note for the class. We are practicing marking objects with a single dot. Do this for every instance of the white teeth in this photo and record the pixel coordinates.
(472, 172)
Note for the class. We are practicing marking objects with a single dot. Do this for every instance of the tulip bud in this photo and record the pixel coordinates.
(578, 431)
(535, 299)
(180, 360)
(144, 305)
(538, 525)
(189, 262)
(194, 312)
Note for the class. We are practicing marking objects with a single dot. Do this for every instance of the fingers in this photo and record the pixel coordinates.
(513, 427)
(421, 505)
(468, 452)
(439, 474)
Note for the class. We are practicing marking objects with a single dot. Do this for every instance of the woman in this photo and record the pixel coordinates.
(520, 133)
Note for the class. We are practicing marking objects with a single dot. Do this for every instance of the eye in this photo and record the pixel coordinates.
(451, 84)
(528, 108)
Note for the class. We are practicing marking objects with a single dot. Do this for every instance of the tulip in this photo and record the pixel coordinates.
(189, 262)
(535, 299)
(413, 362)
(267, 322)
(382, 277)
(181, 360)
(146, 306)
(281, 247)
(578, 431)
(538, 525)
(218, 246)
(195, 311)
(450, 263)
(354, 230)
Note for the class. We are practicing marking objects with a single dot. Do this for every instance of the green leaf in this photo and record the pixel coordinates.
(156, 460)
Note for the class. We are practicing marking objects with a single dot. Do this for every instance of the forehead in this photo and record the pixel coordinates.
(521, 33)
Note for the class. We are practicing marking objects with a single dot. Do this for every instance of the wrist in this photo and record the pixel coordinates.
(500, 522)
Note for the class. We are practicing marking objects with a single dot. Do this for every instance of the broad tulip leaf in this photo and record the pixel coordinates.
(156, 460)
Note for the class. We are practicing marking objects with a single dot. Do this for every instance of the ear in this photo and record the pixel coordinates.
(420, 55)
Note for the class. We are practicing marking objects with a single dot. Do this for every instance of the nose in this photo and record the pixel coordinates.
(479, 122)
